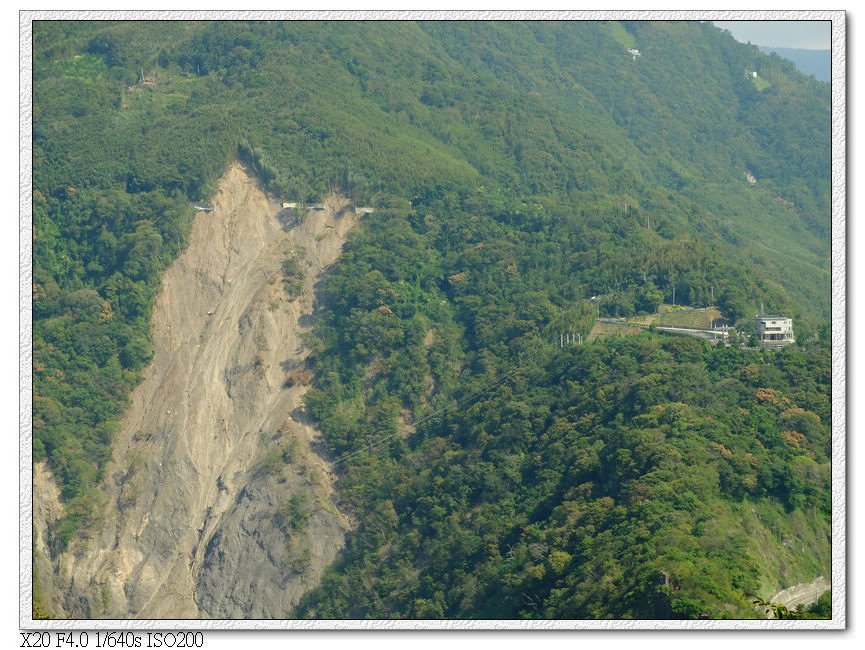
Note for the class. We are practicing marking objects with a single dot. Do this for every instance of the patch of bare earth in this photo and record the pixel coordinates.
(218, 504)
(47, 509)
(603, 329)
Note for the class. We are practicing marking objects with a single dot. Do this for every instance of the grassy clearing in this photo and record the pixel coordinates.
(760, 84)
(679, 316)
(82, 66)
(684, 317)
(603, 330)
(669, 316)
(622, 35)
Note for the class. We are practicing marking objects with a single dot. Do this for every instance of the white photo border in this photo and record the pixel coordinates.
(838, 325)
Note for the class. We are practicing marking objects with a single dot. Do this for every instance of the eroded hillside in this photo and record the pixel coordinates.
(218, 505)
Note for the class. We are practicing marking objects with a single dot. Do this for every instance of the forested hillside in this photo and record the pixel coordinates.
(816, 63)
(517, 170)
(641, 479)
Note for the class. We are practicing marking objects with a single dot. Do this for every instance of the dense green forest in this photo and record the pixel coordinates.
(647, 478)
(518, 169)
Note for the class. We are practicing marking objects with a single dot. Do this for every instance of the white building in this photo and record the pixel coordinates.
(774, 331)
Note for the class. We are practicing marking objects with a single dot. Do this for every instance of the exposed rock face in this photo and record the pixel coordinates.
(218, 506)
(805, 593)
(46, 510)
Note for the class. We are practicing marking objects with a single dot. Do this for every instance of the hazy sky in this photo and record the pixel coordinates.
(803, 34)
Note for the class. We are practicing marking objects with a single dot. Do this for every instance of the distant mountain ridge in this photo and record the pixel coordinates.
(817, 63)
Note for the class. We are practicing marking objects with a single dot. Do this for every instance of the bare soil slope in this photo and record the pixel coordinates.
(218, 506)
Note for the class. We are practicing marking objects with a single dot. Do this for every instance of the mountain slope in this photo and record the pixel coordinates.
(217, 505)
(517, 169)
(817, 63)
(614, 482)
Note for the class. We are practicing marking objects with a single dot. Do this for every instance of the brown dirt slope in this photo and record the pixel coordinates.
(218, 505)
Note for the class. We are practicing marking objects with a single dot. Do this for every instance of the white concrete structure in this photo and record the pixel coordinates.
(774, 331)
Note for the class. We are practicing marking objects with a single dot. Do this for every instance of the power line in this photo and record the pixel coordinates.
(462, 402)
(499, 379)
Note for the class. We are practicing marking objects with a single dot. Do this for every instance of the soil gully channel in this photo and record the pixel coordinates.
(218, 506)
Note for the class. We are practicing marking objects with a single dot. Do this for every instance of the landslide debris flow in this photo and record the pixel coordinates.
(218, 505)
